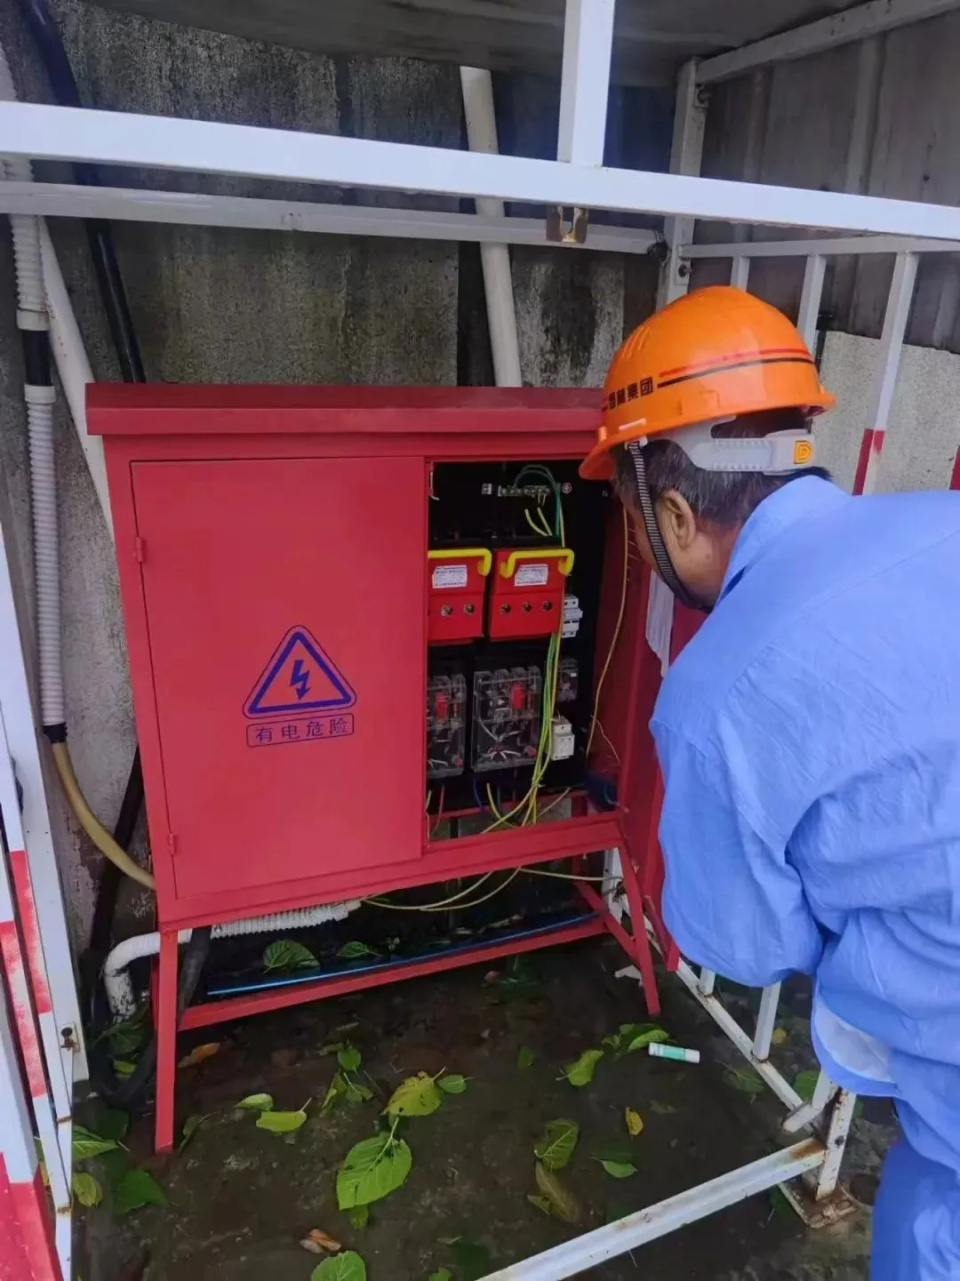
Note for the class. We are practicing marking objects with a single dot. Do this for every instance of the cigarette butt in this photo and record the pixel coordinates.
(674, 1052)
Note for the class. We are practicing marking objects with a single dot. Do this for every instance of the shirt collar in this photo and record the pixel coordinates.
(805, 498)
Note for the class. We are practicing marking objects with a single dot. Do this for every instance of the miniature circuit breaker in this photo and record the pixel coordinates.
(446, 725)
(506, 718)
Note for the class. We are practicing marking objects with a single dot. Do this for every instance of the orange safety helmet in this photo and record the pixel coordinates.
(709, 356)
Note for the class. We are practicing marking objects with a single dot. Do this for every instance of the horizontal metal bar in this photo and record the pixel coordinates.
(841, 28)
(120, 138)
(127, 204)
(741, 1039)
(828, 247)
(823, 1092)
(592, 1248)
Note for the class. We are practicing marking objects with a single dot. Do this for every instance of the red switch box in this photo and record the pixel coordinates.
(458, 578)
(526, 595)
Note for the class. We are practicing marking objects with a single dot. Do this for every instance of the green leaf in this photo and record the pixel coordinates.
(661, 1109)
(581, 1071)
(562, 1201)
(806, 1082)
(557, 1145)
(441, 1274)
(359, 1217)
(618, 1150)
(525, 1058)
(285, 954)
(256, 1103)
(473, 1260)
(619, 1169)
(87, 1144)
(745, 1082)
(282, 1122)
(124, 1068)
(356, 1091)
(190, 1126)
(354, 951)
(112, 1167)
(112, 1123)
(372, 1169)
(650, 1036)
(86, 1189)
(416, 1096)
(453, 1084)
(349, 1058)
(127, 1036)
(347, 1266)
(136, 1189)
(335, 1090)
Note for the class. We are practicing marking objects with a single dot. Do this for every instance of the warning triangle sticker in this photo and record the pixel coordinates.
(299, 677)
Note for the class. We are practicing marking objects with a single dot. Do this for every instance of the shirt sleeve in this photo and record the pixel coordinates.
(731, 899)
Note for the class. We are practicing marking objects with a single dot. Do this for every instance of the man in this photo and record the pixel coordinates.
(809, 734)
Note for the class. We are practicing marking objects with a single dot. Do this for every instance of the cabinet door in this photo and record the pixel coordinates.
(285, 604)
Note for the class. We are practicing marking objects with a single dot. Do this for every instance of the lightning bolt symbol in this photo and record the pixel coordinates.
(300, 680)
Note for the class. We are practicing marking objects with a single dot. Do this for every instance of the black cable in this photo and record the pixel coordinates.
(660, 554)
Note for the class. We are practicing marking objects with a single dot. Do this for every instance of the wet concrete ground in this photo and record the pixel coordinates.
(240, 1199)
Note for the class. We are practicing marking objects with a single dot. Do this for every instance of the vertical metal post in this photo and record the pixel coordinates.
(766, 1020)
(810, 299)
(585, 81)
(16, 705)
(823, 1092)
(895, 319)
(26, 1241)
(740, 272)
(686, 155)
(707, 982)
(836, 1144)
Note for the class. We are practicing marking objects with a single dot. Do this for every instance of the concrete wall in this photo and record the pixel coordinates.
(215, 305)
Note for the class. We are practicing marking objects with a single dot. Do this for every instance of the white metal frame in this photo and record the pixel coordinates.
(576, 180)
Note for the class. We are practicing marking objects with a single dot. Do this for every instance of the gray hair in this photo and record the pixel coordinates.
(721, 498)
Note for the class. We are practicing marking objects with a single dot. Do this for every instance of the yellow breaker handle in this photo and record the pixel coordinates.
(562, 554)
(466, 553)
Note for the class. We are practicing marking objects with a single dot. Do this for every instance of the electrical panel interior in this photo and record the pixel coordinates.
(515, 560)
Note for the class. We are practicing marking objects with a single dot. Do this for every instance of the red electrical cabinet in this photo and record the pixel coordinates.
(279, 603)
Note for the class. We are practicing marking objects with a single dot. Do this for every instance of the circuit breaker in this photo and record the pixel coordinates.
(446, 725)
(506, 718)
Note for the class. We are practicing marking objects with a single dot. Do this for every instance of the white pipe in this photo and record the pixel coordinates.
(73, 367)
(478, 108)
(46, 550)
(116, 978)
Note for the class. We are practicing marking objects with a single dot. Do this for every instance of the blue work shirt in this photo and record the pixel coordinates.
(809, 737)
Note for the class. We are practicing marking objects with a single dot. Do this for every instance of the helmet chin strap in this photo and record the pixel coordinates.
(657, 546)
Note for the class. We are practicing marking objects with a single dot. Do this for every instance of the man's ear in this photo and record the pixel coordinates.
(676, 519)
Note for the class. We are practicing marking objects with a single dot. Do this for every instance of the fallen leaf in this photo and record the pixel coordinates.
(318, 1242)
(86, 1189)
(190, 1126)
(354, 951)
(525, 1058)
(779, 1036)
(416, 1096)
(87, 1144)
(581, 1071)
(662, 1109)
(349, 1058)
(113, 1123)
(454, 1083)
(562, 1201)
(634, 1122)
(256, 1103)
(285, 954)
(556, 1146)
(619, 1169)
(372, 1169)
(359, 1216)
(199, 1054)
(124, 1068)
(282, 1122)
(649, 1036)
(344, 1267)
(136, 1189)
(441, 1274)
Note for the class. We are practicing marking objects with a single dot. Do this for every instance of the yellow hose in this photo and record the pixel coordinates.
(92, 825)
